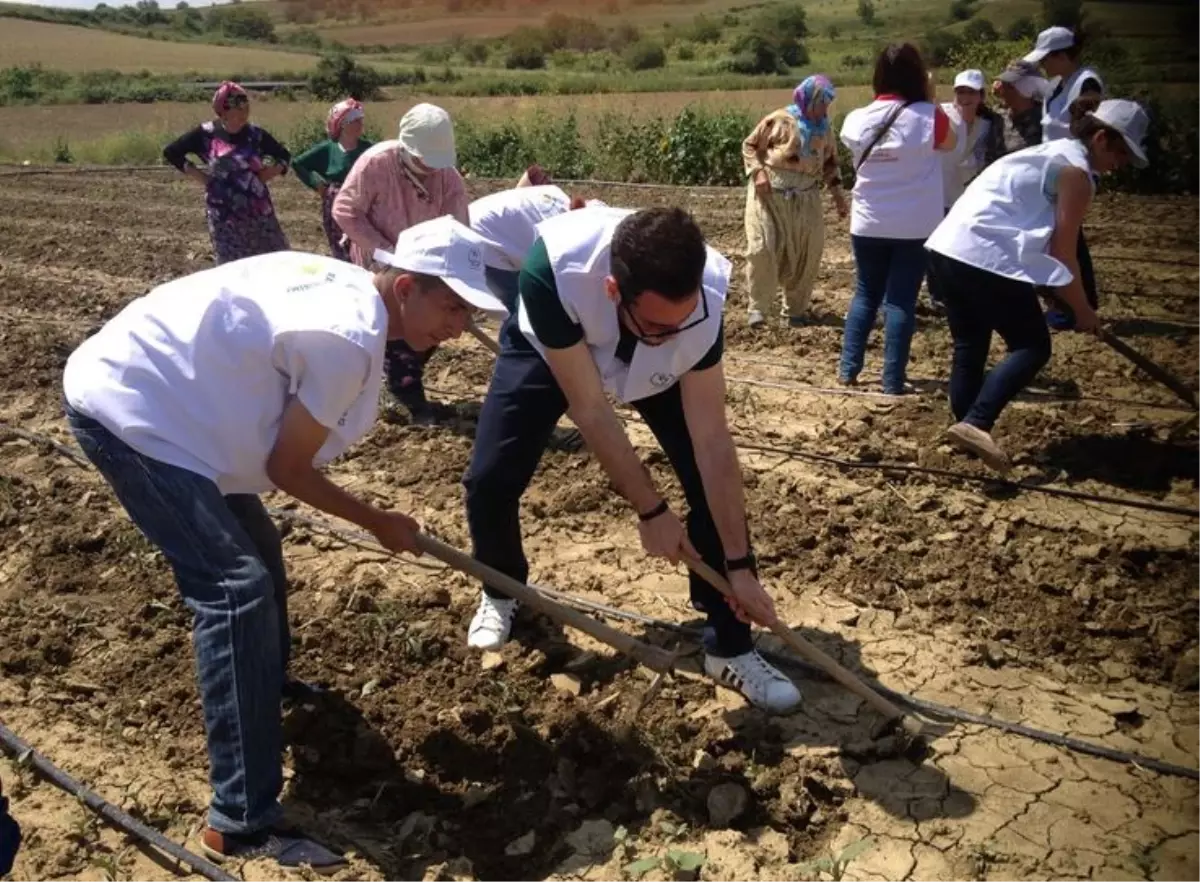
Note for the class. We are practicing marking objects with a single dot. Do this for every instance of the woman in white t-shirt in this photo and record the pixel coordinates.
(1015, 231)
(897, 203)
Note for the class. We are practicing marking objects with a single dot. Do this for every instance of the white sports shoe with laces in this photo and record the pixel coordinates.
(492, 622)
(763, 685)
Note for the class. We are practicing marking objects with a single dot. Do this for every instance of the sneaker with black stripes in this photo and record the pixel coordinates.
(763, 685)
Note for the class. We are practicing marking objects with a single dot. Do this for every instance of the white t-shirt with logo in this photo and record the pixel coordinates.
(898, 190)
(1005, 220)
(197, 372)
(508, 220)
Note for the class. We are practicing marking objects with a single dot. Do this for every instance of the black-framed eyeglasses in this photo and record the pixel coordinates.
(642, 334)
(233, 102)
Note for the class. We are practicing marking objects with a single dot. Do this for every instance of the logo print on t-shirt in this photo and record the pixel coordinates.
(659, 380)
(474, 258)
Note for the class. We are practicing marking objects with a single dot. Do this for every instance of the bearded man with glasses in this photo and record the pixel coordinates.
(629, 304)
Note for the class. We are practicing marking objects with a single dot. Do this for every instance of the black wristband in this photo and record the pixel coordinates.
(746, 562)
(650, 515)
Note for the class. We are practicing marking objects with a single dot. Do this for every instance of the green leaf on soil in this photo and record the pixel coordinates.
(620, 835)
(854, 849)
(688, 861)
(638, 869)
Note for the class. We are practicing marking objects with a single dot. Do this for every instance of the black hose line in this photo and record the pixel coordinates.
(23, 753)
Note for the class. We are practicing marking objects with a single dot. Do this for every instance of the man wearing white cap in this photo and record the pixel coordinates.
(1020, 87)
(393, 186)
(235, 381)
(1012, 233)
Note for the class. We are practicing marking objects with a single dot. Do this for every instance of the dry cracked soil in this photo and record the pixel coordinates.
(422, 760)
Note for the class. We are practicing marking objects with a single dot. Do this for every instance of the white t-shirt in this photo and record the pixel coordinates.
(507, 220)
(1056, 113)
(1005, 220)
(963, 163)
(898, 190)
(197, 372)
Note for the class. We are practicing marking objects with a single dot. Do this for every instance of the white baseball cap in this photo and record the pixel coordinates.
(427, 132)
(1051, 40)
(453, 252)
(970, 79)
(1128, 118)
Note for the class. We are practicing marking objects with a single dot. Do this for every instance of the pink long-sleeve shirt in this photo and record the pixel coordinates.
(377, 202)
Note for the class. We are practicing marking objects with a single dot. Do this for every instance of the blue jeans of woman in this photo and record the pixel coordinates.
(227, 558)
(889, 275)
(979, 303)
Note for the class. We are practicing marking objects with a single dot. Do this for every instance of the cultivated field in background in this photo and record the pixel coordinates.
(75, 49)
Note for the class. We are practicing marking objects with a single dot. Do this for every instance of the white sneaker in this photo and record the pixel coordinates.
(493, 620)
(764, 686)
(755, 318)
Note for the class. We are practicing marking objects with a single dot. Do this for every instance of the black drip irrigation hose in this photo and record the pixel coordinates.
(909, 468)
(24, 754)
(928, 708)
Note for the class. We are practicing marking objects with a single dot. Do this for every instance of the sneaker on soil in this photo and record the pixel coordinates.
(763, 685)
(493, 620)
(797, 321)
(974, 439)
(755, 318)
(288, 849)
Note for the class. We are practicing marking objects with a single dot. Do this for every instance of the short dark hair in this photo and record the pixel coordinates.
(658, 249)
(900, 70)
(1084, 126)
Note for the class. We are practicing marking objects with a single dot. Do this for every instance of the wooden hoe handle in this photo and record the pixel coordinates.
(655, 659)
(806, 650)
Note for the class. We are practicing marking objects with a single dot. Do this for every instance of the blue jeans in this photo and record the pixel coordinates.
(889, 275)
(227, 559)
(979, 303)
(522, 407)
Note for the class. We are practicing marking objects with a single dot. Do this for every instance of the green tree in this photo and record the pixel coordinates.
(526, 50)
(1064, 13)
(753, 53)
(980, 30)
(866, 12)
(961, 10)
(241, 22)
(338, 76)
(645, 55)
(1024, 28)
(782, 21)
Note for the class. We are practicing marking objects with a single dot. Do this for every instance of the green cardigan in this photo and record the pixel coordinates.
(327, 163)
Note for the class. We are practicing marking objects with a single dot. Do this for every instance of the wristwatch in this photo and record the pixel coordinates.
(746, 562)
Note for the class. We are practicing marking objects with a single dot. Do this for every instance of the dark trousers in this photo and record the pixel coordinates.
(405, 371)
(1087, 272)
(977, 304)
(523, 404)
(504, 284)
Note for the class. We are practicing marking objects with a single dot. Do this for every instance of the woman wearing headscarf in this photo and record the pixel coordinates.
(398, 184)
(324, 166)
(241, 216)
(786, 157)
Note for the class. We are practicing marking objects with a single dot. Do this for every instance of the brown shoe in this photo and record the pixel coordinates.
(974, 439)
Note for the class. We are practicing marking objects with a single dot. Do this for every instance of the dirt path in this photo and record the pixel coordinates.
(1071, 616)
